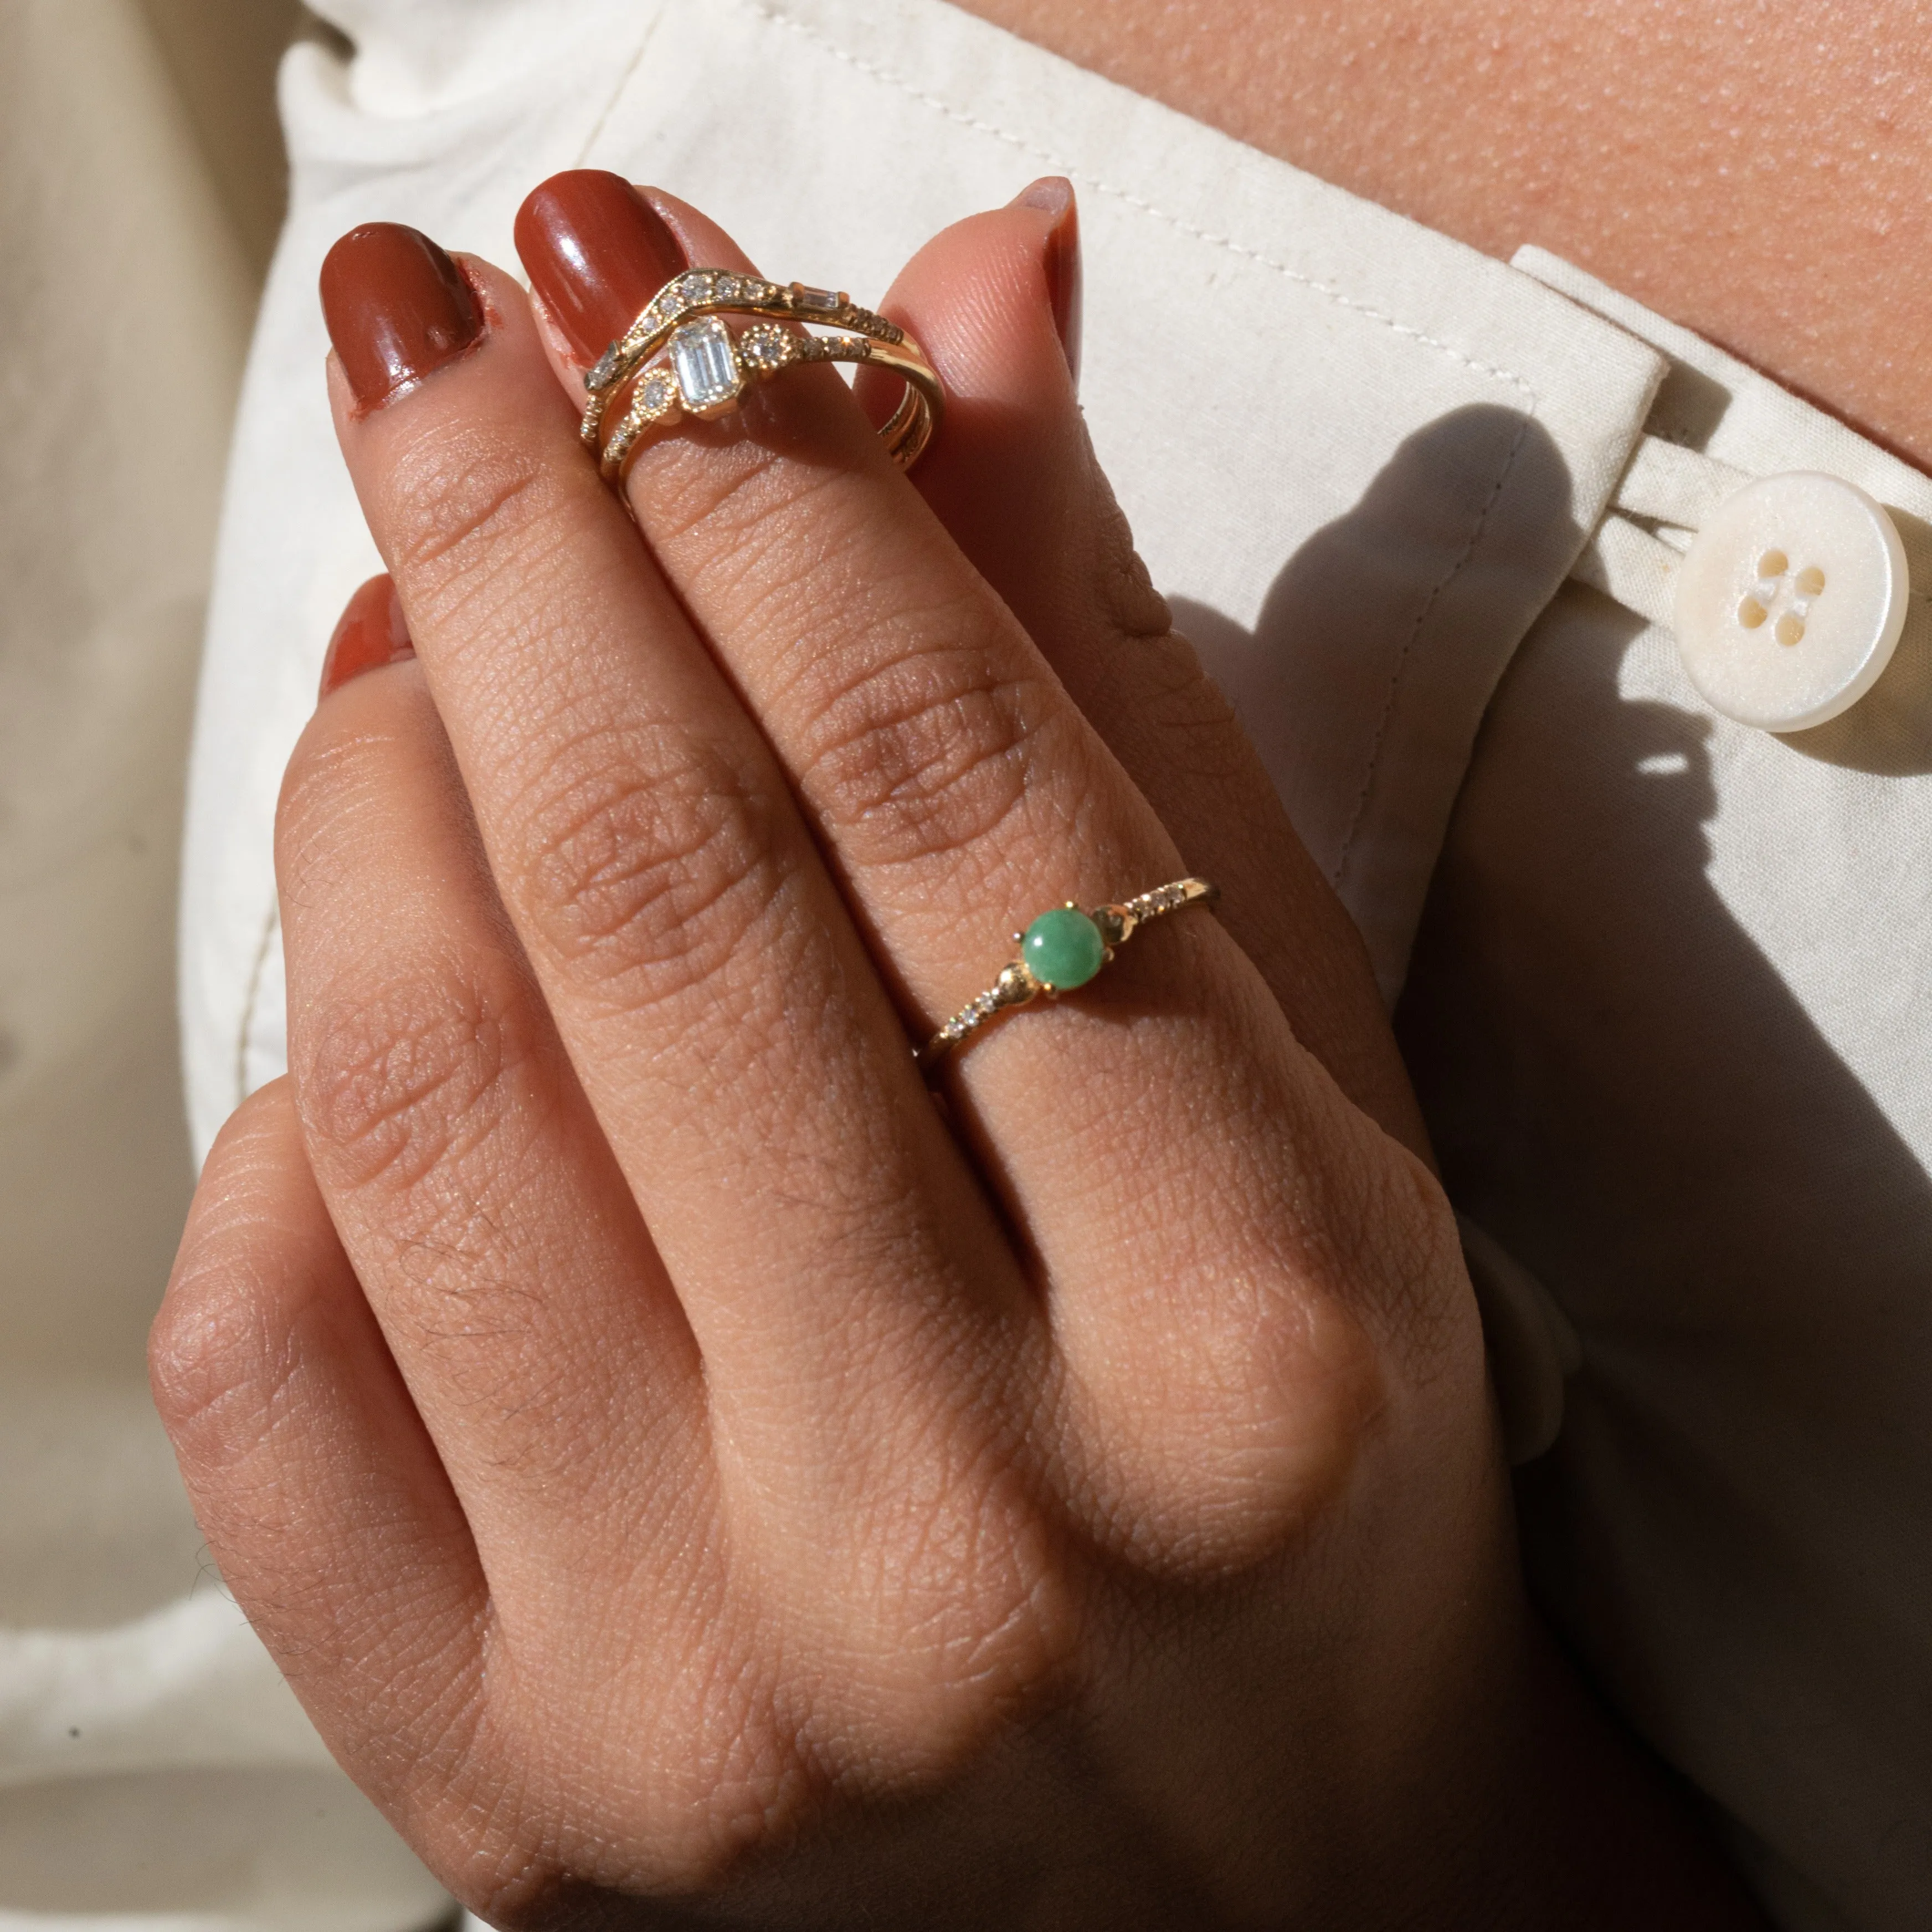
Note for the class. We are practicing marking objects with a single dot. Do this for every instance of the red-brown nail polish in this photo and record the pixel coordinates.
(595, 251)
(374, 632)
(1054, 194)
(397, 309)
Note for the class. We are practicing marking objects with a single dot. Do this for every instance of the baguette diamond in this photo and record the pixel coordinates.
(706, 363)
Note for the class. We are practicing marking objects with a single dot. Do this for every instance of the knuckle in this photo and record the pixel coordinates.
(912, 716)
(1184, 729)
(957, 1584)
(644, 880)
(1415, 1275)
(1229, 1434)
(1378, 1233)
(1121, 587)
(460, 489)
(214, 1363)
(926, 751)
(976, 1605)
(1255, 1427)
(216, 1344)
(395, 1079)
(1298, 1398)
(1178, 697)
(331, 783)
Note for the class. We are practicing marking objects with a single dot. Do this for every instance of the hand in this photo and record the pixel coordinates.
(690, 1476)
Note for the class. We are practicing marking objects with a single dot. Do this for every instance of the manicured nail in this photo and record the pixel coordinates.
(396, 308)
(595, 251)
(1054, 194)
(374, 632)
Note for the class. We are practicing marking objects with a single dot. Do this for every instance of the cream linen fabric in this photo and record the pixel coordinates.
(154, 1770)
(1680, 968)
(1671, 1016)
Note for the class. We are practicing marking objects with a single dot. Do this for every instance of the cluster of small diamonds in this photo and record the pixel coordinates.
(822, 305)
(657, 396)
(655, 400)
(835, 348)
(1166, 899)
(1015, 986)
(964, 1021)
(766, 349)
(762, 351)
(685, 295)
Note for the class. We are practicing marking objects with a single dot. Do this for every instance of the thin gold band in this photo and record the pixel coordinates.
(1018, 982)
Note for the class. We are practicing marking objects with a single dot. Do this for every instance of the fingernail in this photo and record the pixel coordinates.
(396, 308)
(595, 251)
(374, 632)
(1054, 195)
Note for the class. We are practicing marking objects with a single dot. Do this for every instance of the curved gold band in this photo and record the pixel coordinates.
(1019, 982)
(707, 367)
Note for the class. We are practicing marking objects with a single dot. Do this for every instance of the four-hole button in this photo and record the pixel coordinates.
(1790, 600)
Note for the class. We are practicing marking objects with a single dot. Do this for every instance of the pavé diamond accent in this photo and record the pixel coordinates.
(765, 348)
(657, 394)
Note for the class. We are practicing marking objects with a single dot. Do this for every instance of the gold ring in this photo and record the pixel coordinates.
(1062, 949)
(706, 367)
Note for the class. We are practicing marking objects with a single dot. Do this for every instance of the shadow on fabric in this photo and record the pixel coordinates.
(1383, 635)
(1624, 1091)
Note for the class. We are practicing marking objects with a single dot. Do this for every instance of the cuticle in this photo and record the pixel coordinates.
(491, 317)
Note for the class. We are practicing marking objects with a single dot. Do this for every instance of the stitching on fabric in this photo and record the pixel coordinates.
(269, 928)
(941, 107)
(1429, 603)
(936, 104)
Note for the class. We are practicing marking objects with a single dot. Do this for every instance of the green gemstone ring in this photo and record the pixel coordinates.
(1060, 950)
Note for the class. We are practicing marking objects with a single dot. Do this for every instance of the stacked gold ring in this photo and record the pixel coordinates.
(705, 367)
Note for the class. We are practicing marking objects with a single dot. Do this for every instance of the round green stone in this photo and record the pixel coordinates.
(1063, 949)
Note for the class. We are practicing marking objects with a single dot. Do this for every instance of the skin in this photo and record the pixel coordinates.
(1757, 172)
(670, 1520)
(689, 1477)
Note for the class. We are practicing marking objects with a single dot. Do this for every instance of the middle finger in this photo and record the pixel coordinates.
(1183, 1171)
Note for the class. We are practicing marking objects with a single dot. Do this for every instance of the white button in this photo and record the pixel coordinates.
(1790, 600)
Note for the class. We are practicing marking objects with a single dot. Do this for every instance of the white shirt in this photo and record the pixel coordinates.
(1662, 977)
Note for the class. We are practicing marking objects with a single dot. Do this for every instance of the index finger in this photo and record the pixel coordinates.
(842, 1272)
